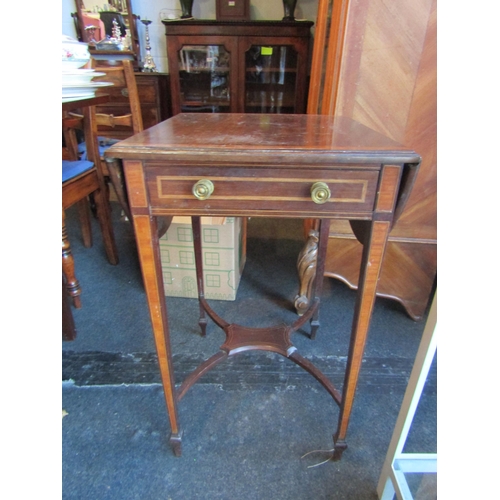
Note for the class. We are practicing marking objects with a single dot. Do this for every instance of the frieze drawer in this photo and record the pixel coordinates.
(262, 190)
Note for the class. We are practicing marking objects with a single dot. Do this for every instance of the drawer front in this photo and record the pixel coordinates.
(261, 191)
(147, 91)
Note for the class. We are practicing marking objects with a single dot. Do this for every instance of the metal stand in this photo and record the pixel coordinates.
(392, 479)
(149, 64)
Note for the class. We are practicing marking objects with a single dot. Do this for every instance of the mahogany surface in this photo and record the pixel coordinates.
(265, 165)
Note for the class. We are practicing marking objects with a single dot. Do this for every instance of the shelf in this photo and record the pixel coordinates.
(269, 105)
(272, 70)
(282, 110)
(222, 70)
(204, 108)
(205, 102)
(254, 88)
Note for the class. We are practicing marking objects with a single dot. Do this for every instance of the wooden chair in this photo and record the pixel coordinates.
(111, 127)
(81, 178)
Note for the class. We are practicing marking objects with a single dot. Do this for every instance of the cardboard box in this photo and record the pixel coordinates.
(224, 253)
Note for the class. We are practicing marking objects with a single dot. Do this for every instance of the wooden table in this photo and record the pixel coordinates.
(258, 165)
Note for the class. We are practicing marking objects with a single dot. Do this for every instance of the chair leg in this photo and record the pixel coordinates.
(68, 267)
(85, 224)
(117, 179)
(104, 218)
(92, 203)
(68, 322)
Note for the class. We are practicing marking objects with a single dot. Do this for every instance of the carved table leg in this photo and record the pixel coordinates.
(306, 267)
(373, 252)
(68, 267)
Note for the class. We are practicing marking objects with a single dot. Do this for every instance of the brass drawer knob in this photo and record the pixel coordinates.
(203, 189)
(320, 193)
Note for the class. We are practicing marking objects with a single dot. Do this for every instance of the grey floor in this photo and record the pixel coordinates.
(248, 422)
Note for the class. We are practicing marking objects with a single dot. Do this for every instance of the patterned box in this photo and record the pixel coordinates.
(224, 252)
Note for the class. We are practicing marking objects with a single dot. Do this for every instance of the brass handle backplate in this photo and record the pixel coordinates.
(203, 189)
(320, 192)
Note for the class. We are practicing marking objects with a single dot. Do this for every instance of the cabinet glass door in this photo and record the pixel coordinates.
(204, 79)
(270, 79)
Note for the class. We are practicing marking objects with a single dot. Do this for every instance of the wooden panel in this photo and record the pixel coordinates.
(154, 96)
(421, 135)
(393, 90)
(147, 92)
(379, 91)
(387, 80)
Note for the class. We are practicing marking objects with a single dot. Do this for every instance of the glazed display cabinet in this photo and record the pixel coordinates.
(238, 66)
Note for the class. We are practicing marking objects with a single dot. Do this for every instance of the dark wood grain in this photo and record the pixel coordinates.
(318, 140)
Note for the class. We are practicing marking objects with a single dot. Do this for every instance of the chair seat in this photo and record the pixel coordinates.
(80, 180)
(103, 142)
(71, 169)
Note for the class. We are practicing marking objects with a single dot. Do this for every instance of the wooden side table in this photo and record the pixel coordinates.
(295, 166)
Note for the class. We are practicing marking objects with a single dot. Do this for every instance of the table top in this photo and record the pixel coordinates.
(84, 102)
(315, 137)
